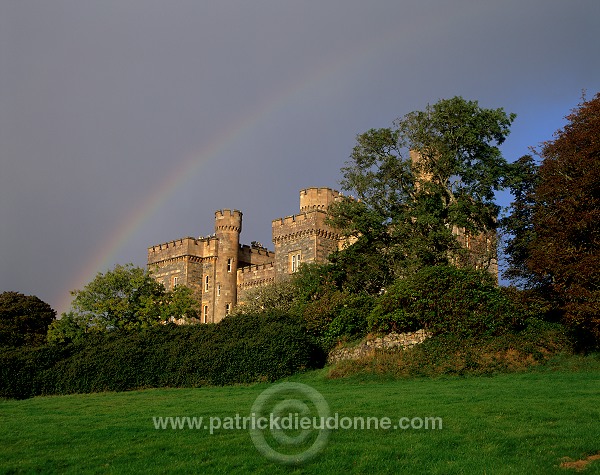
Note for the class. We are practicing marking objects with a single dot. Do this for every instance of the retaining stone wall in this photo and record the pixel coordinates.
(399, 341)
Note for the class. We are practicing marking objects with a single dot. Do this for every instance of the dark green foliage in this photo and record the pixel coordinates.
(438, 169)
(366, 265)
(445, 299)
(536, 344)
(554, 222)
(241, 349)
(124, 298)
(23, 371)
(518, 223)
(453, 354)
(24, 319)
(350, 319)
(337, 315)
(312, 295)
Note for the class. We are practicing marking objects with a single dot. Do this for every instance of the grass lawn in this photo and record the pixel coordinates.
(508, 424)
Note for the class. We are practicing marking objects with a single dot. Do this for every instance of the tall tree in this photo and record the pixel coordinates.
(436, 171)
(565, 249)
(518, 224)
(24, 319)
(124, 298)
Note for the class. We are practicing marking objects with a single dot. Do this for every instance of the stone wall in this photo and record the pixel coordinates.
(393, 341)
(306, 234)
(254, 255)
(181, 262)
(254, 276)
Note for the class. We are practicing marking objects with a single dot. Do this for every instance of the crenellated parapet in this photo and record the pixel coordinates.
(256, 275)
(254, 255)
(256, 269)
(303, 225)
(228, 220)
(293, 219)
(188, 246)
(318, 198)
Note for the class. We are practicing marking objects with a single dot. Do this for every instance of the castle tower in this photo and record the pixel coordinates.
(305, 237)
(312, 199)
(228, 226)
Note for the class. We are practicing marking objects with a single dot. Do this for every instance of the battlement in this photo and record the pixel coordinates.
(180, 243)
(293, 219)
(188, 246)
(251, 255)
(254, 276)
(254, 249)
(318, 198)
(256, 268)
(228, 220)
(228, 213)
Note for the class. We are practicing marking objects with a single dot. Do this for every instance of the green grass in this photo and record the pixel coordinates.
(507, 424)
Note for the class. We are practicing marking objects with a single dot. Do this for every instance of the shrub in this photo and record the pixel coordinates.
(24, 319)
(445, 299)
(337, 315)
(350, 319)
(447, 354)
(241, 349)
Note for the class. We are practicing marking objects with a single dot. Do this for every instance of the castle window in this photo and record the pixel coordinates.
(206, 284)
(175, 281)
(227, 309)
(218, 290)
(295, 259)
(229, 264)
(205, 314)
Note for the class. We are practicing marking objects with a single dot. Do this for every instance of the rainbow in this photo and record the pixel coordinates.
(189, 166)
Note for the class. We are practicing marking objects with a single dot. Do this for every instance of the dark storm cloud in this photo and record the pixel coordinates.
(101, 102)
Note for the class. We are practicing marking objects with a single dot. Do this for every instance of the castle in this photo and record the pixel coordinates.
(219, 269)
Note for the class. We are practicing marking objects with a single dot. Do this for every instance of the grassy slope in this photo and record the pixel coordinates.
(512, 423)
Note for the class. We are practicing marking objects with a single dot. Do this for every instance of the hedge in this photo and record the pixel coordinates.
(240, 349)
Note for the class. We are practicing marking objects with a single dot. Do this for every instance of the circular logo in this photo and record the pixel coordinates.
(289, 423)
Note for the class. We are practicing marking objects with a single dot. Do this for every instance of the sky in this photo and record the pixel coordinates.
(128, 123)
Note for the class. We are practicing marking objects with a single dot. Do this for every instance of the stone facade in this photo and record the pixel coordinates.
(219, 269)
(305, 237)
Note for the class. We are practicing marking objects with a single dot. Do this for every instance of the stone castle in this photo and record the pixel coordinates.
(219, 269)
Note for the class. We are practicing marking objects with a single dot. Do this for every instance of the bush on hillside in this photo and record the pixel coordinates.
(448, 354)
(445, 299)
(241, 349)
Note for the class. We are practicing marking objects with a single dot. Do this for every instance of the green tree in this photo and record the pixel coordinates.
(565, 247)
(278, 297)
(518, 224)
(180, 304)
(124, 298)
(289, 296)
(24, 319)
(68, 328)
(435, 171)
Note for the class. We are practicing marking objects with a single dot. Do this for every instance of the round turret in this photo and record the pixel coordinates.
(228, 225)
(228, 221)
(317, 199)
